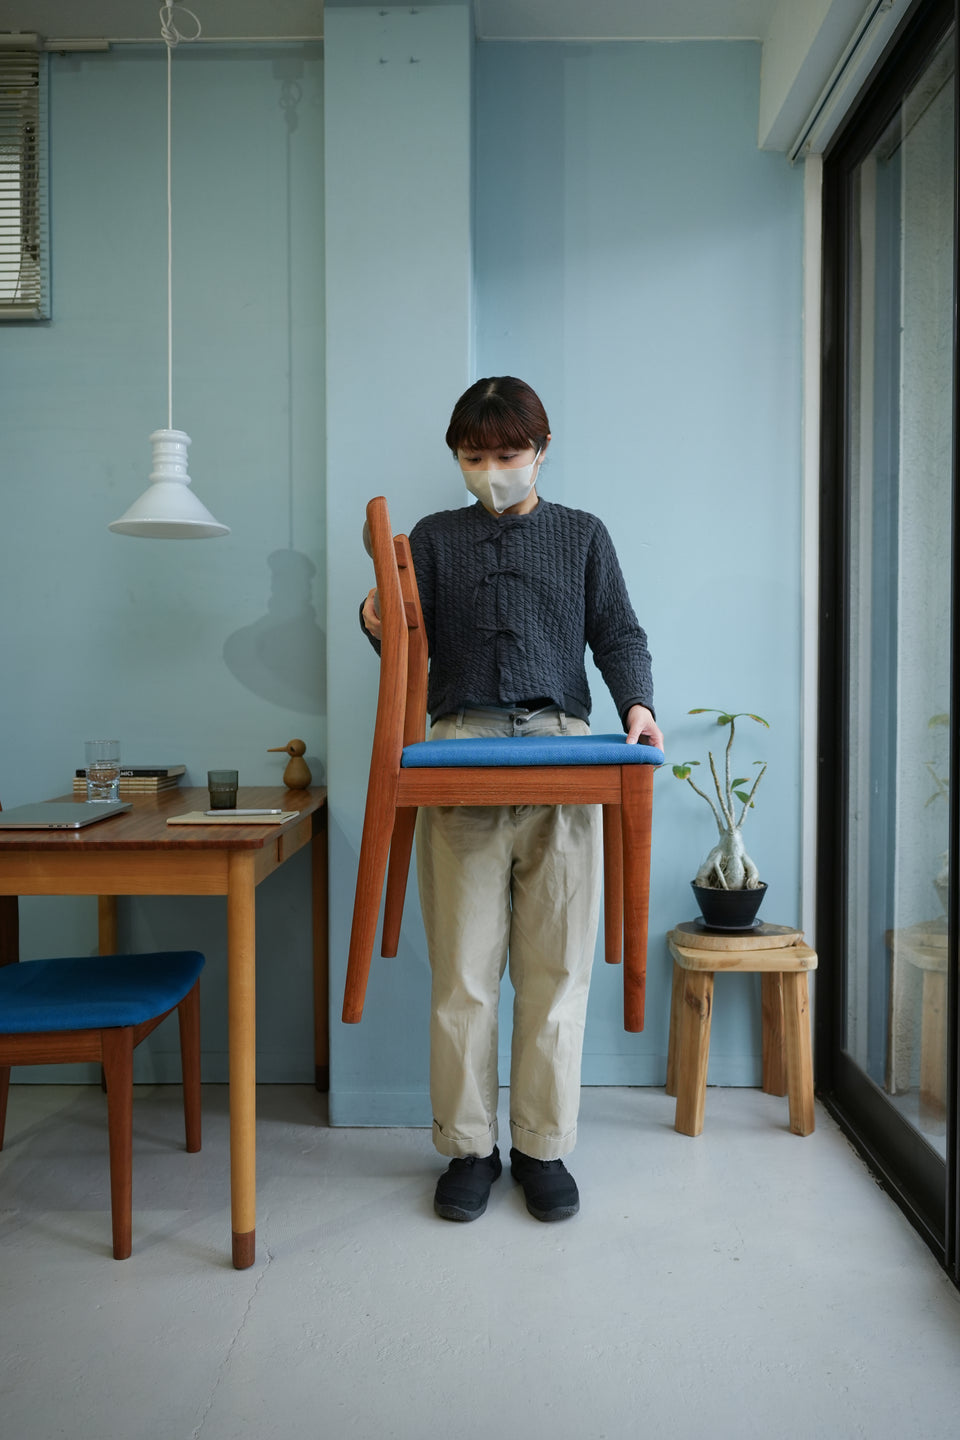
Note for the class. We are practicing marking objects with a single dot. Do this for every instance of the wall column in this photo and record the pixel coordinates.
(398, 327)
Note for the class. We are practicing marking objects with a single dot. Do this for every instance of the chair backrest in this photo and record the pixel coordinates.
(402, 697)
(418, 657)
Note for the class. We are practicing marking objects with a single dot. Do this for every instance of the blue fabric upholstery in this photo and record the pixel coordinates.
(530, 750)
(93, 993)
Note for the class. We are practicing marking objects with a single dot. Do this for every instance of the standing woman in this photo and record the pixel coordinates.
(513, 589)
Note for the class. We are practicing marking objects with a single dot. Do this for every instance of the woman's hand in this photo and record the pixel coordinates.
(640, 725)
(369, 615)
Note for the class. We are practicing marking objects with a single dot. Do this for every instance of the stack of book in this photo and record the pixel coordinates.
(138, 779)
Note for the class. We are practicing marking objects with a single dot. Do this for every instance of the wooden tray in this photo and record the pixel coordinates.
(694, 936)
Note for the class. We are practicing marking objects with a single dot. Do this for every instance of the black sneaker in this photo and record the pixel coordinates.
(464, 1187)
(548, 1187)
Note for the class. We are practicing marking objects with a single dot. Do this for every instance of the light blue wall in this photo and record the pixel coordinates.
(638, 260)
(205, 652)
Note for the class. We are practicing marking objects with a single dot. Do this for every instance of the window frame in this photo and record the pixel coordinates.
(23, 134)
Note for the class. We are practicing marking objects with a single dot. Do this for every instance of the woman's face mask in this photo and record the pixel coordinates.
(501, 487)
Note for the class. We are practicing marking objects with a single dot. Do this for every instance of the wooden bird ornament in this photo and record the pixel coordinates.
(296, 775)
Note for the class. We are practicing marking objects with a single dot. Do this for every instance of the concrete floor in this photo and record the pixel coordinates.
(744, 1284)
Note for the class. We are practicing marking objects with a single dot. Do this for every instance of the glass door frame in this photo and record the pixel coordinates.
(928, 1192)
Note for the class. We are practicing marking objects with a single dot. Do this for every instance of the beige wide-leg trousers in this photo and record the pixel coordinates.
(521, 881)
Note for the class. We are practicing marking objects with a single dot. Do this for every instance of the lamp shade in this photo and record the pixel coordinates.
(168, 509)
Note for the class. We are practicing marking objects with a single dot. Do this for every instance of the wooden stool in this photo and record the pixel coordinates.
(779, 954)
(922, 948)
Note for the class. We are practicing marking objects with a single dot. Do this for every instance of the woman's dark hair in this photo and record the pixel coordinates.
(498, 413)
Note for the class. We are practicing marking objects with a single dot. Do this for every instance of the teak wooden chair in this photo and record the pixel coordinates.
(100, 1008)
(407, 771)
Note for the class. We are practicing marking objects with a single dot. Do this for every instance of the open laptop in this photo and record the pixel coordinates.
(60, 814)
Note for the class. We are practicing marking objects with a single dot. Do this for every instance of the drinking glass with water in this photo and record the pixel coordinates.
(103, 769)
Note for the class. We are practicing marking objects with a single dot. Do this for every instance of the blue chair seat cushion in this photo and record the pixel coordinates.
(93, 993)
(530, 750)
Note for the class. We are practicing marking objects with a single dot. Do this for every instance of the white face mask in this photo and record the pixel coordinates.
(500, 489)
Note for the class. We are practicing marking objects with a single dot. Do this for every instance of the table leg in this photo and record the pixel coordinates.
(9, 929)
(321, 966)
(771, 1008)
(107, 924)
(796, 1034)
(694, 1051)
(241, 1009)
(107, 945)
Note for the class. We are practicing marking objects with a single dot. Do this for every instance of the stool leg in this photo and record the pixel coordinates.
(673, 1044)
(933, 1054)
(771, 1006)
(900, 1026)
(796, 1029)
(695, 1012)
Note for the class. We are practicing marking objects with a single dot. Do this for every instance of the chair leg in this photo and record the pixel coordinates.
(378, 822)
(4, 1092)
(397, 872)
(188, 1014)
(9, 955)
(637, 815)
(612, 885)
(117, 1045)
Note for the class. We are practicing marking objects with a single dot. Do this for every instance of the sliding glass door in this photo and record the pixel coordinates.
(887, 1036)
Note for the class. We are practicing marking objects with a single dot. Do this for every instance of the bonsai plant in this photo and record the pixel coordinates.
(727, 885)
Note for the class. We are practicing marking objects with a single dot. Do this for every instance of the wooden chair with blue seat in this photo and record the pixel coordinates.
(407, 771)
(99, 1009)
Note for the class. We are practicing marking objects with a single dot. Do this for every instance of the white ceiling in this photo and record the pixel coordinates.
(495, 19)
(623, 19)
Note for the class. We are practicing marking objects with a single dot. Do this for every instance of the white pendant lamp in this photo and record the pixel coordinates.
(168, 509)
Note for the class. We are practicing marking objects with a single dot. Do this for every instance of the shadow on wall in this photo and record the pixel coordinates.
(282, 656)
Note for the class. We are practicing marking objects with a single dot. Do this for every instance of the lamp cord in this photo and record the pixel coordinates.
(172, 37)
(169, 252)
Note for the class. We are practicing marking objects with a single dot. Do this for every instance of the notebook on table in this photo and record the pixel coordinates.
(60, 814)
(229, 817)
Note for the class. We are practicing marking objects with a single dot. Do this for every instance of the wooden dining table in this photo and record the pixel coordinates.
(138, 853)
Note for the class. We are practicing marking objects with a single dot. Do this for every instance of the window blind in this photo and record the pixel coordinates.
(24, 288)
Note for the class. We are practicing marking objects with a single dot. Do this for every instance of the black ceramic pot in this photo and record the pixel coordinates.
(728, 909)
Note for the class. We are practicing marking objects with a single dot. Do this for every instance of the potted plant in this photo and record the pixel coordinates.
(727, 886)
